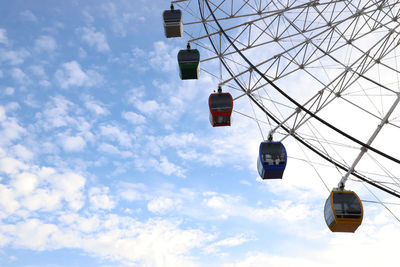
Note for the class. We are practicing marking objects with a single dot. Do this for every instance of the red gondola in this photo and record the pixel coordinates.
(221, 106)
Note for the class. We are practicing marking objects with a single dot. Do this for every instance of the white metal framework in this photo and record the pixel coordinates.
(339, 60)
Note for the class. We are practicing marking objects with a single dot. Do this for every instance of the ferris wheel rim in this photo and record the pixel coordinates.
(291, 99)
(298, 138)
(383, 52)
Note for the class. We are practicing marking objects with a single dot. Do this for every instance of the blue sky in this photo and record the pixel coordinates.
(107, 158)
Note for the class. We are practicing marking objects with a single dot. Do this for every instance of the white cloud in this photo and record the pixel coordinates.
(121, 16)
(227, 206)
(27, 15)
(228, 242)
(82, 53)
(169, 106)
(14, 57)
(133, 117)
(210, 159)
(148, 107)
(42, 199)
(8, 203)
(110, 149)
(245, 182)
(10, 129)
(73, 143)
(261, 259)
(60, 112)
(89, 19)
(217, 202)
(25, 183)
(100, 199)
(39, 71)
(233, 241)
(135, 96)
(34, 188)
(179, 140)
(12, 106)
(34, 234)
(71, 74)
(156, 243)
(56, 113)
(70, 186)
(94, 39)
(164, 166)
(116, 134)
(46, 190)
(23, 152)
(161, 58)
(152, 243)
(3, 115)
(139, 56)
(46, 44)
(135, 93)
(358, 249)
(74, 222)
(132, 192)
(3, 37)
(161, 205)
(18, 75)
(44, 83)
(95, 106)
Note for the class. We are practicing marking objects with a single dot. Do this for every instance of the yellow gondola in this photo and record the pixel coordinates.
(343, 211)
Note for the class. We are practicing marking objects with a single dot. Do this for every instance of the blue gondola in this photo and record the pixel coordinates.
(272, 159)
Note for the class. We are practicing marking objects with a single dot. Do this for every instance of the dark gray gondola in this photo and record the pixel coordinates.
(343, 211)
(189, 63)
(272, 160)
(173, 25)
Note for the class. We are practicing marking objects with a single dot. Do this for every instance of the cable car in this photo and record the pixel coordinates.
(189, 63)
(343, 211)
(221, 105)
(173, 25)
(272, 159)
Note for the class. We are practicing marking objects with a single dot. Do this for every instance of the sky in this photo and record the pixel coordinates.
(107, 158)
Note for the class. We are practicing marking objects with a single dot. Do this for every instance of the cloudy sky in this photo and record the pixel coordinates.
(107, 158)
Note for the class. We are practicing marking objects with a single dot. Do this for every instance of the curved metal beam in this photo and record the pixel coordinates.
(296, 136)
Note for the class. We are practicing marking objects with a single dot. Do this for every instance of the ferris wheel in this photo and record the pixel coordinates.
(325, 74)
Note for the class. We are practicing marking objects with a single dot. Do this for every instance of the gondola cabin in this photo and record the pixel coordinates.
(189, 63)
(271, 160)
(343, 211)
(221, 106)
(173, 25)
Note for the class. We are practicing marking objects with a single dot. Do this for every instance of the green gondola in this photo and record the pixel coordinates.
(189, 63)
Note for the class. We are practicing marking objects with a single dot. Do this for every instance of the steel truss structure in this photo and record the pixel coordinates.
(346, 52)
